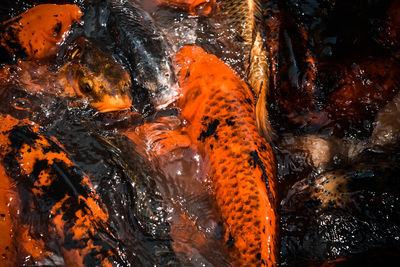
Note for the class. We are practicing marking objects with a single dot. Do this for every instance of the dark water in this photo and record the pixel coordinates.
(323, 119)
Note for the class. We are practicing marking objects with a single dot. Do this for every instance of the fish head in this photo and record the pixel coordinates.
(98, 77)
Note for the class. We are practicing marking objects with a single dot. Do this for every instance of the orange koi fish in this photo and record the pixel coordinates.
(219, 109)
(194, 7)
(55, 189)
(38, 32)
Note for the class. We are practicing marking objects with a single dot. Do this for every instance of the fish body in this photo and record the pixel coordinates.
(38, 32)
(245, 18)
(348, 211)
(57, 196)
(132, 35)
(219, 108)
(87, 73)
(340, 188)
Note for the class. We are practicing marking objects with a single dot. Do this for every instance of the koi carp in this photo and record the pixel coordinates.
(219, 108)
(38, 32)
(70, 212)
(87, 73)
(218, 112)
(127, 29)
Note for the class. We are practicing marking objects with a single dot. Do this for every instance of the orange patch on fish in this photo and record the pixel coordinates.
(7, 194)
(40, 30)
(219, 108)
(194, 7)
(16, 241)
(76, 217)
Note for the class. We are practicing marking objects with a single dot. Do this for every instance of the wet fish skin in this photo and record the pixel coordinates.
(70, 210)
(218, 106)
(86, 73)
(90, 72)
(38, 32)
(131, 33)
(245, 18)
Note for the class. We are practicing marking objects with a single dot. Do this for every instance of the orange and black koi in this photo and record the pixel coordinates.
(38, 32)
(69, 207)
(219, 108)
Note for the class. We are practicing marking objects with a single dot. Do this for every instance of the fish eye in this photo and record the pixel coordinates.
(87, 86)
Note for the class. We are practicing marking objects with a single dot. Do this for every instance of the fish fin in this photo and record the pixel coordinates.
(258, 76)
(263, 124)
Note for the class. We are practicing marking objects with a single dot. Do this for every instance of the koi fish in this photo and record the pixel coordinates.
(245, 18)
(218, 107)
(342, 212)
(87, 73)
(194, 7)
(339, 188)
(91, 73)
(127, 29)
(71, 213)
(38, 32)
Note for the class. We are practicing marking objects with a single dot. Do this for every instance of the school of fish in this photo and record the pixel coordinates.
(109, 57)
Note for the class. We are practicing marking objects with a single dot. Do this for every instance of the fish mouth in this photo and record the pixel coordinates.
(166, 96)
(113, 103)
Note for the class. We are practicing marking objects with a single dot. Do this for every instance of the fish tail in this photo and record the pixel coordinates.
(259, 79)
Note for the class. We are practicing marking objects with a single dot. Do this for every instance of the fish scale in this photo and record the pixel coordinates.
(69, 207)
(220, 112)
(245, 18)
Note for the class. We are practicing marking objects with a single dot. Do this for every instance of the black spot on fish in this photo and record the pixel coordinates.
(230, 121)
(231, 241)
(258, 256)
(255, 161)
(263, 147)
(204, 120)
(21, 135)
(211, 128)
(249, 101)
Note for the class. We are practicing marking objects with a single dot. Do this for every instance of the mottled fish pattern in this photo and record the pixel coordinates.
(219, 108)
(71, 211)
